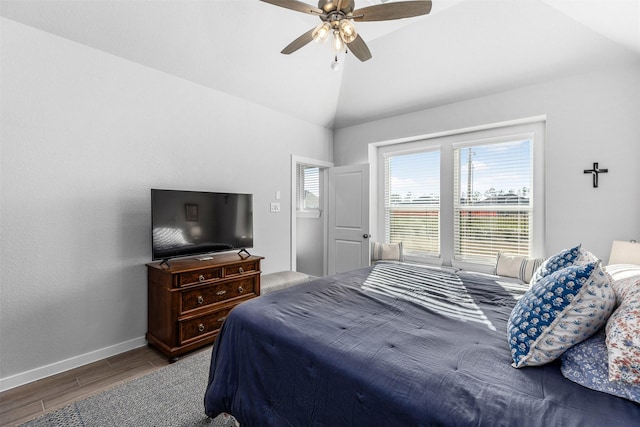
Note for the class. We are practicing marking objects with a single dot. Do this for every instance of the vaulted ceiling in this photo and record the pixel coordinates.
(462, 49)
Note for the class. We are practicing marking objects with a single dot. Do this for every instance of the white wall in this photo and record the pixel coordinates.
(84, 136)
(593, 117)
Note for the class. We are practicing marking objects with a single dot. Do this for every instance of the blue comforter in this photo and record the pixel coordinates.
(392, 345)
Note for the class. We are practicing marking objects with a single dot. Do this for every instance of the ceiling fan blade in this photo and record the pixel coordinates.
(297, 6)
(360, 49)
(389, 11)
(299, 42)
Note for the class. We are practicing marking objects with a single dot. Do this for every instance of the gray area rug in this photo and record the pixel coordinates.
(170, 396)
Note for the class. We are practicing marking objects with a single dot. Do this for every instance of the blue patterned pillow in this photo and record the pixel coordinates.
(565, 258)
(559, 311)
(587, 365)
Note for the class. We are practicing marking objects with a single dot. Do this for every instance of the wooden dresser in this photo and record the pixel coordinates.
(189, 300)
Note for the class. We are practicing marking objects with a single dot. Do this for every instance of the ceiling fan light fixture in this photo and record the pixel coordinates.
(337, 16)
(347, 31)
(321, 32)
(338, 43)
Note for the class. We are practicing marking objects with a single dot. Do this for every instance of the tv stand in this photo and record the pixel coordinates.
(244, 250)
(189, 301)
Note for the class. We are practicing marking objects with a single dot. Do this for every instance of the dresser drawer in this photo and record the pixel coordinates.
(245, 267)
(202, 326)
(200, 276)
(204, 296)
(189, 298)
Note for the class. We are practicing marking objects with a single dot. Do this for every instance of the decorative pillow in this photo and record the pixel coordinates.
(586, 364)
(622, 287)
(387, 251)
(559, 311)
(517, 266)
(622, 271)
(623, 334)
(565, 258)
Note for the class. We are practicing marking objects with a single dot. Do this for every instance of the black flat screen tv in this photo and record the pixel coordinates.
(189, 223)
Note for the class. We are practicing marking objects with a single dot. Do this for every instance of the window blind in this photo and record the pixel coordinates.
(412, 201)
(492, 199)
(307, 187)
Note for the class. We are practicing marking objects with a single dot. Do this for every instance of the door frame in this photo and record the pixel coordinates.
(325, 165)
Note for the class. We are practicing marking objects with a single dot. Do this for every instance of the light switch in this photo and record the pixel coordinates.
(278, 195)
(275, 207)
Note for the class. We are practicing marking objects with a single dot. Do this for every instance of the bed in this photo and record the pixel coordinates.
(392, 344)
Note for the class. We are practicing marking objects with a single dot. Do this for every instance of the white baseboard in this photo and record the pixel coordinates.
(67, 364)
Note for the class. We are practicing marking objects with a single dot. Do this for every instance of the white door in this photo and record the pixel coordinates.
(348, 218)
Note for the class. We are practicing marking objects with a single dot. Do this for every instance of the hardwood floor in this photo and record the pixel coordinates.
(29, 401)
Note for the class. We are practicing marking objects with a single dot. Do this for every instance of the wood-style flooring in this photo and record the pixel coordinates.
(29, 401)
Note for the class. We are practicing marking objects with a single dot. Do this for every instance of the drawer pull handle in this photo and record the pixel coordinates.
(201, 278)
(201, 327)
(241, 270)
(200, 300)
(240, 289)
(222, 319)
(221, 293)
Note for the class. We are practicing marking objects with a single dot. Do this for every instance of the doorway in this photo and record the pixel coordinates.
(309, 226)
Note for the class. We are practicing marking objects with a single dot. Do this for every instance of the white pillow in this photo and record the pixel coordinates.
(517, 266)
(622, 271)
(387, 251)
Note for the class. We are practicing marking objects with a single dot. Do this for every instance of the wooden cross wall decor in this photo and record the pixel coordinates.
(594, 172)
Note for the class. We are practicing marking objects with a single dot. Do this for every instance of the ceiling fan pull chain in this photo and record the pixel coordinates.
(335, 65)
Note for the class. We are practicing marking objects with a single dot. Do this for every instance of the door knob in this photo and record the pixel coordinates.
(366, 236)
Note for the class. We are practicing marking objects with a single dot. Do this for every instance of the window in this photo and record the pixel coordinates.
(461, 197)
(308, 188)
(492, 199)
(412, 202)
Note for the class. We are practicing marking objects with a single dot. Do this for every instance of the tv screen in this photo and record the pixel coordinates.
(186, 223)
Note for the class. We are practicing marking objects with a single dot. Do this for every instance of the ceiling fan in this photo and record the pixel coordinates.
(336, 19)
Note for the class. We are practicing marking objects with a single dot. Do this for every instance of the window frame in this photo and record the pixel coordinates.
(445, 141)
(529, 136)
(385, 156)
(302, 211)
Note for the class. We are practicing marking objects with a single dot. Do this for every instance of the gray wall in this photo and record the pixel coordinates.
(592, 117)
(85, 135)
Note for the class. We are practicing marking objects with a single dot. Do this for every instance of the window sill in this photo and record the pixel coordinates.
(309, 214)
(474, 266)
(423, 260)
